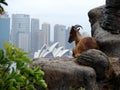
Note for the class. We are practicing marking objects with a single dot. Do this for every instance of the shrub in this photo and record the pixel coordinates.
(81, 88)
(15, 71)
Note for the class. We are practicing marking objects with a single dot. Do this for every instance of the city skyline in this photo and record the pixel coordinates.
(26, 34)
(20, 31)
(65, 12)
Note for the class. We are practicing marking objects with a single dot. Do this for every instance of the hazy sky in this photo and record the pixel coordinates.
(66, 12)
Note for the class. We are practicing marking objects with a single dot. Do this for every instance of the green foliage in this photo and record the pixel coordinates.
(81, 88)
(15, 73)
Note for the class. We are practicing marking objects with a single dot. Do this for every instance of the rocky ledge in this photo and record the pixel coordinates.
(61, 74)
(93, 70)
(109, 43)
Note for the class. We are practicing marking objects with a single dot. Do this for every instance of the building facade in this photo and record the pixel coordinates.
(34, 34)
(60, 34)
(46, 30)
(40, 39)
(4, 30)
(21, 31)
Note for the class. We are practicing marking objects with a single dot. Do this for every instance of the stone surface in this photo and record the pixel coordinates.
(97, 60)
(109, 43)
(115, 77)
(114, 74)
(96, 14)
(111, 16)
(61, 74)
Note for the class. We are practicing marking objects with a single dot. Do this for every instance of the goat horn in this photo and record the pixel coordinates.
(76, 26)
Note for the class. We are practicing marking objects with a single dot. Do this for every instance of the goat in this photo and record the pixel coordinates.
(82, 44)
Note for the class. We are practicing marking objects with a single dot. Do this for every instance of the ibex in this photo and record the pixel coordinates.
(82, 44)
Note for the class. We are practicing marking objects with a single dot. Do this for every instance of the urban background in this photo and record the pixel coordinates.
(25, 33)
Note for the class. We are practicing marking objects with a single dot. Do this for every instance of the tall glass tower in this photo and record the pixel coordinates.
(60, 34)
(46, 29)
(21, 31)
(34, 34)
(4, 30)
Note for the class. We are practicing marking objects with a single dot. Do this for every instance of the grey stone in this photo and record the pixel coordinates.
(109, 43)
(61, 74)
(96, 14)
(66, 73)
(111, 16)
(114, 74)
(97, 60)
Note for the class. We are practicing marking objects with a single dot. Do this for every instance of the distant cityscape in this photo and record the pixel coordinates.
(25, 33)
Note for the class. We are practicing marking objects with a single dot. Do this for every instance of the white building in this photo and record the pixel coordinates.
(21, 27)
(52, 51)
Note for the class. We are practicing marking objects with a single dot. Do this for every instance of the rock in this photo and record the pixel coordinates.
(96, 14)
(109, 43)
(114, 74)
(61, 74)
(111, 17)
(66, 73)
(97, 60)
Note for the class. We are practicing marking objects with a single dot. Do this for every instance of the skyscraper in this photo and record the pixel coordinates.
(59, 34)
(40, 38)
(46, 29)
(23, 41)
(21, 31)
(4, 30)
(34, 34)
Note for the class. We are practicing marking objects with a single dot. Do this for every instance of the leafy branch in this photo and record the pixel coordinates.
(15, 71)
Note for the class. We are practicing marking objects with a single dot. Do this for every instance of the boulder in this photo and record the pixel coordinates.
(109, 43)
(97, 60)
(88, 71)
(96, 14)
(111, 16)
(114, 74)
(61, 74)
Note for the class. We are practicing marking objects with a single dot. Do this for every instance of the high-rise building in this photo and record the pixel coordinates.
(4, 30)
(46, 29)
(23, 41)
(21, 30)
(60, 34)
(34, 34)
(40, 38)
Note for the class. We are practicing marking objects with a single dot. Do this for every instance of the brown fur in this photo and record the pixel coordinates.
(82, 44)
